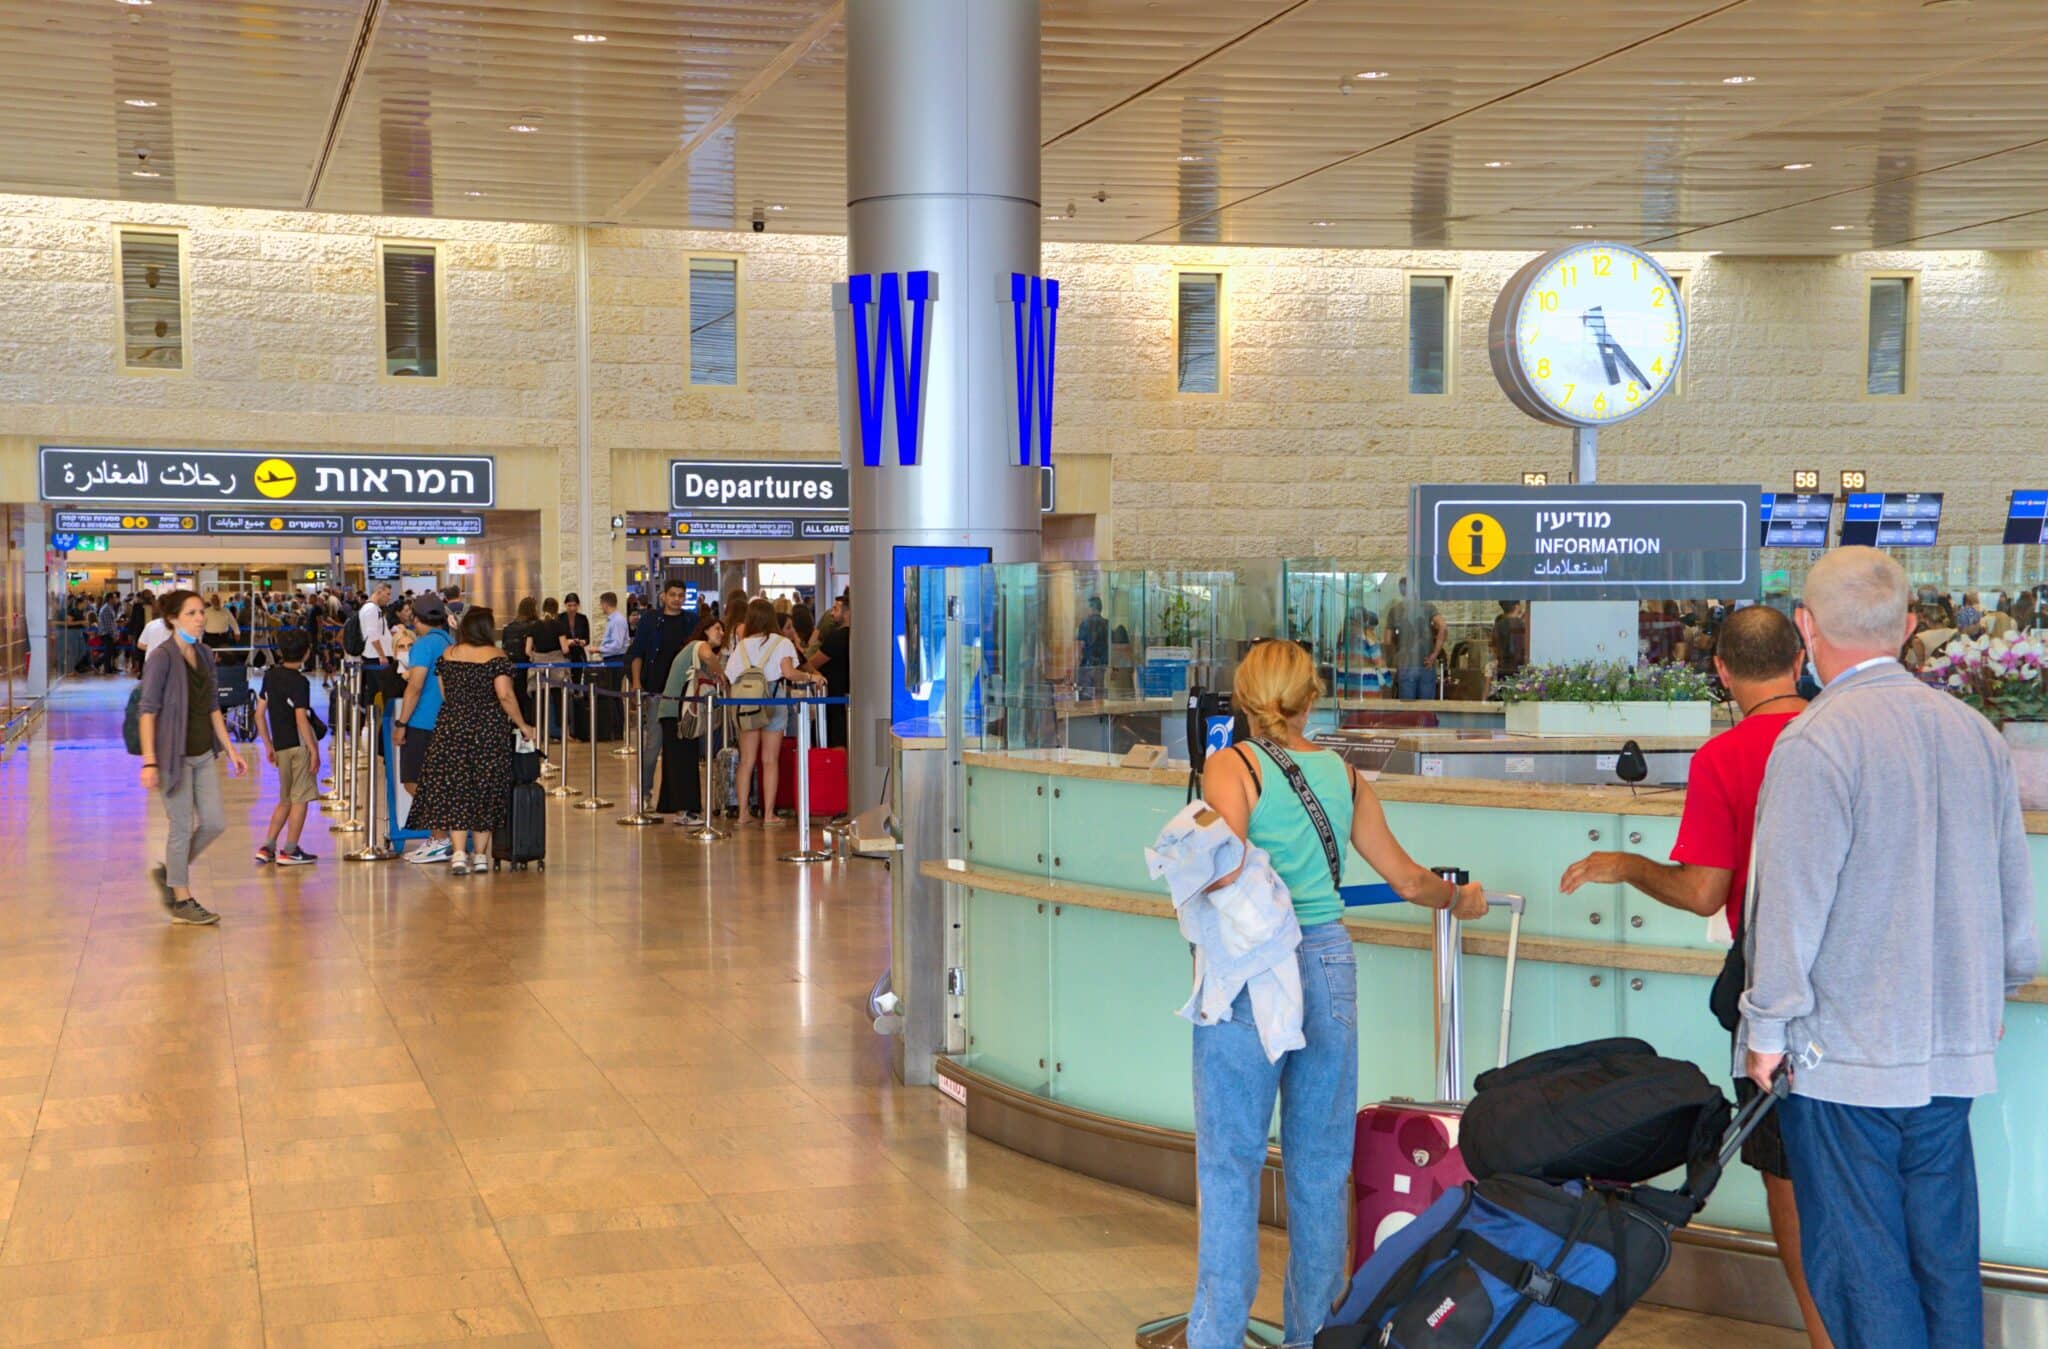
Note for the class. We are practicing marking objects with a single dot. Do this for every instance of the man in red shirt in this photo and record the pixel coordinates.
(1758, 657)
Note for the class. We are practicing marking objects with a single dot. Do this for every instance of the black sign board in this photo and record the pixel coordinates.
(1627, 542)
(380, 559)
(1368, 753)
(1796, 520)
(756, 487)
(1048, 490)
(265, 478)
(1891, 519)
(755, 527)
(418, 526)
(824, 529)
(126, 522)
(224, 522)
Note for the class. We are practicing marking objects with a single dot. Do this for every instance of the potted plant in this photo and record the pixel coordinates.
(1596, 698)
(2002, 678)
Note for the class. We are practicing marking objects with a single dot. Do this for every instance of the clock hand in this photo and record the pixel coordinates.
(1635, 371)
(1596, 322)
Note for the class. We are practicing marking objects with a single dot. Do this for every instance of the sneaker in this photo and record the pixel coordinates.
(265, 856)
(459, 867)
(193, 913)
(296, 857)
(438, 850)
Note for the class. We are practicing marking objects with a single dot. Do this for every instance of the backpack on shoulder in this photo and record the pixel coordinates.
(751, 682)
(352, 635)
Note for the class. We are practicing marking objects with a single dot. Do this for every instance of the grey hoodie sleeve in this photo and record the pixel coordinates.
(2016, 889)
(1802, 839)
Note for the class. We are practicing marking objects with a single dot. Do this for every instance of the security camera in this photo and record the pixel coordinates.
(142, 153)
(760, 221)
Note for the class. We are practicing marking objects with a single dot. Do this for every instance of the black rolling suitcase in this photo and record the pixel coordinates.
(524, 839)
(611, 713)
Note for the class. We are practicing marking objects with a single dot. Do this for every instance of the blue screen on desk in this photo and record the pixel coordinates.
(1796, 520)
(1892, 519)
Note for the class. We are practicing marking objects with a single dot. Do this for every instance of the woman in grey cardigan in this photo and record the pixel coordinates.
(183, 732)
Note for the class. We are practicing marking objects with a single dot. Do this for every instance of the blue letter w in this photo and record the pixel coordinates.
(1036, 340)
(893, 362)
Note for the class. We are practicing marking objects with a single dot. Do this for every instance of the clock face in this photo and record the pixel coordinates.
(1588, 335)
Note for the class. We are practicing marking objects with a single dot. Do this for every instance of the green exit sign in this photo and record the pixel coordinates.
(703, 547)
(91, 543)
(451, 540)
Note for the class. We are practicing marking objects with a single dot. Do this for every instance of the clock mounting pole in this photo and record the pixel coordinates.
(1585, 453)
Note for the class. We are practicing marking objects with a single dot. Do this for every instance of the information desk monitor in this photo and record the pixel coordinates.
(1796, 521)
(1891, 519)
(2026, 519)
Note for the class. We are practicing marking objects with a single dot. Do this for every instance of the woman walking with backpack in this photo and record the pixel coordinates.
(762, 665)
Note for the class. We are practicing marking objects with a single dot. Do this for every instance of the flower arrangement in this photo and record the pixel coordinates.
(2000, 677)
(1597, 682)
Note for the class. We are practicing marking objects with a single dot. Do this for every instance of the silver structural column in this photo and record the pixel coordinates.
(941, 176)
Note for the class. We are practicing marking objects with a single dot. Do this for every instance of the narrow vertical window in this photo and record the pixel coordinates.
(1199, 348)
(1891, 335)
(152, 301)
(1429, 334)
(412, 326)
(714, 321)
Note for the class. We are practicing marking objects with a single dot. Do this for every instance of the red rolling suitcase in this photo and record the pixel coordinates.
(1405, 1153)
(828, 773)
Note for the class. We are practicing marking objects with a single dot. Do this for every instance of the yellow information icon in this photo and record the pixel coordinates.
(276, 478)
(1476, 544)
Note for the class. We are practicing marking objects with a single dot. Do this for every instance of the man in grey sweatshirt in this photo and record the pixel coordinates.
(1893, 914)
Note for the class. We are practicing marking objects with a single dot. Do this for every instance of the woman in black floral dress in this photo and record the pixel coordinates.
(467, 777)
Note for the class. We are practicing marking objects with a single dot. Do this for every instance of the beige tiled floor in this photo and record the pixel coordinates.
(633, 1100)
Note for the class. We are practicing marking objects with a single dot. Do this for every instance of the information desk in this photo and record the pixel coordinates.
(1074, 965)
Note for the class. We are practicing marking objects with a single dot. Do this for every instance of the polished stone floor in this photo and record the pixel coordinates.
(632, 1100)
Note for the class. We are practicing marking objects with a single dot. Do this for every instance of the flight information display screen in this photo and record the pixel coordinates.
(1789, 520)
(2026, 519)
(1892, 519)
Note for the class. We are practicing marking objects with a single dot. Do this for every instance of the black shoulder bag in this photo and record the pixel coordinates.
(1725, 998)
(1317, 816)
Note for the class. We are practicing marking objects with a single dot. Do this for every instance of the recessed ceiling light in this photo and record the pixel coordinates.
(1193, 159)
(138, 4)
(1322, 224)
(1738, 79)
(472, 193)
(1372, 74)
(588, 37)
(144, 173)
(1581, 227)
(140, 102)
(1049, 219)
(1498, 163)
(1800, 167)
(523, 128)
(778, 207)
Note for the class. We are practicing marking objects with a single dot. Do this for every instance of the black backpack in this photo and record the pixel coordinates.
(352, 634)
(1610, 1110)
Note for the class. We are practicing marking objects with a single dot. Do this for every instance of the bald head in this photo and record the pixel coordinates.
(1855, 608)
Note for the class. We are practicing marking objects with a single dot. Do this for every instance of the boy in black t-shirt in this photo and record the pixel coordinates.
(284, 718)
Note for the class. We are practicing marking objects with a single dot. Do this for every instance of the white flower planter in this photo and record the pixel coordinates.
(1618, 719)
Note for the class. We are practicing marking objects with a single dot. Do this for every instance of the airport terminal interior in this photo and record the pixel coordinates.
(730, 555)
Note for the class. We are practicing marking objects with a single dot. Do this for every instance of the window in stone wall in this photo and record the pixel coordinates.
(412, 311)
(1429, 334)
(152, 300)
(1889, 367)
(715, 321)
(1199, 327)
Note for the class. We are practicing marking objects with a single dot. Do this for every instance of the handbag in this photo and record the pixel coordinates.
(1725, 998)
(131, 722)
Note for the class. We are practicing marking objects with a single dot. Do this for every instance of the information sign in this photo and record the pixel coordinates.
(1796, 520)
(381, 559)
(126, 522)
(418, 526)
(1892, 519)
(2026, 518)
(267, 478)
(730, 528)
(1623, 542)
(220, 522)
(807, 487)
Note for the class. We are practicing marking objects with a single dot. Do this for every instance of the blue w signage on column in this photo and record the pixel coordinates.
(1035, 327)
(887, 362)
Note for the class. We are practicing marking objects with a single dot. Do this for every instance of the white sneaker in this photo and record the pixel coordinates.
(459, 867)
(436, 850)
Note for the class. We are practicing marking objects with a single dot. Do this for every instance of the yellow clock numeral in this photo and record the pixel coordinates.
(1633, 393)
(1547, 301)
(1670, 332)
(1635, 268)
(1568, 276)
(1543, 368)
(1656, 297)
(1600, 402)
(1569, 390)
(1602, 264)
(1658, 365)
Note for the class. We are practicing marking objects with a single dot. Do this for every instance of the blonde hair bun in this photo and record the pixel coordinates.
(1276, 682)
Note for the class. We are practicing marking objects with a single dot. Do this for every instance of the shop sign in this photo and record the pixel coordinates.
(122, 522)
(802, 487)
(262, 477)
(1623, 542)
(221, 522)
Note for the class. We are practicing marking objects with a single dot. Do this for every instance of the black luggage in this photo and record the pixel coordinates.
(611, 713)
(524, 839)
(1612, 1110)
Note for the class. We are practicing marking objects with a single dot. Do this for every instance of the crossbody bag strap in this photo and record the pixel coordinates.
(1317, 816)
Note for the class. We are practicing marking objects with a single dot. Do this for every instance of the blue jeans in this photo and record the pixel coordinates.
(1416, 683)
(1888, 1221)
(1318, 1091)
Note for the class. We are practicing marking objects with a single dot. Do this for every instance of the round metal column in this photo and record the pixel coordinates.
(942, 176)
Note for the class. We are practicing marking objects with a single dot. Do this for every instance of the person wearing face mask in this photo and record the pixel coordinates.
(183, 733)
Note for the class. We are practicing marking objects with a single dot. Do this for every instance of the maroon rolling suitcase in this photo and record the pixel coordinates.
(1405, 1153)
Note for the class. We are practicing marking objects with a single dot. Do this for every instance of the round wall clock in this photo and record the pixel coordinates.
(1588, 335)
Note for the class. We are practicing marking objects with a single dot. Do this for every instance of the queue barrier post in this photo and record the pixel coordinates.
(804, 852)
(591, 800)
(705, 831)
(630, 747)
(373, 849)
(547, 698)
(636, 726)
(346, 764)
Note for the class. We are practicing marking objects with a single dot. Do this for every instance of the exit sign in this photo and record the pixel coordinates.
(91, 543)
(703, 548)
(450, 540)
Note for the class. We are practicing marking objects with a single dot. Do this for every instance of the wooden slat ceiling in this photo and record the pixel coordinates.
(1494, 124)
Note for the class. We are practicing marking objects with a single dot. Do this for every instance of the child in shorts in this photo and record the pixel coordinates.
(284, 718)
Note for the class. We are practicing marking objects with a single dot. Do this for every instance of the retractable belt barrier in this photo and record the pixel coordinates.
(804, 853)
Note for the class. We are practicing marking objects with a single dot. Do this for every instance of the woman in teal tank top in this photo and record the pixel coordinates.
(1317, 1085)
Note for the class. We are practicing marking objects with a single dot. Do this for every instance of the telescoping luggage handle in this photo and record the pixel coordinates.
(1445, 949)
